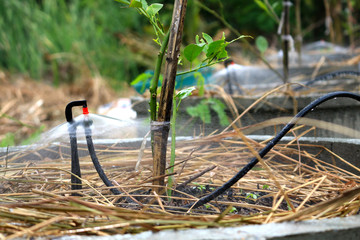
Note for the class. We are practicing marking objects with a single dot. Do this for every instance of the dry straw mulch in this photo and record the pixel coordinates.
(289, 184)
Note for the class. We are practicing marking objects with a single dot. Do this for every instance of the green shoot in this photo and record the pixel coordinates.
(176, 103)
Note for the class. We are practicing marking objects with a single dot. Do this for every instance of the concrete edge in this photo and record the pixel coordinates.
(329, 229)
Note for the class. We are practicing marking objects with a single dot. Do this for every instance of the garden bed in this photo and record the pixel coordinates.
(292, 183)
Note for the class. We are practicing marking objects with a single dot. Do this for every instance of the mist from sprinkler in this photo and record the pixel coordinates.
(75, 164)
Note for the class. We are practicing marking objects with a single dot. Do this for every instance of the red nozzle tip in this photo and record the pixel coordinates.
(85, 110)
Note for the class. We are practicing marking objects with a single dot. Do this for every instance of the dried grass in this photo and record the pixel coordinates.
(36, 197)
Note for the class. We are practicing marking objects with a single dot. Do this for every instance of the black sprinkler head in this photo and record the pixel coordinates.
(68, 109)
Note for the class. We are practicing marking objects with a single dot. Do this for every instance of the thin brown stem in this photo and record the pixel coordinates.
(162, 132)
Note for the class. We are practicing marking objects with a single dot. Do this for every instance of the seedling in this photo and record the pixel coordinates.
(233, 210)
(200, 186)
(252, 196)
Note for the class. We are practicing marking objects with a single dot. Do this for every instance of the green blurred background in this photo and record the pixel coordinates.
(59, 40)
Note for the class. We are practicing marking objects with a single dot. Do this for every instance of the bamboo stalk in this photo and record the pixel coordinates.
(167, 91)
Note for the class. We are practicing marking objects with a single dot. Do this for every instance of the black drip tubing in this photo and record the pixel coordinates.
(75, 165)
(95, 160)
(270, 145)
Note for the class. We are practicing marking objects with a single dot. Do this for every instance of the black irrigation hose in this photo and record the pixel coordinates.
(328, 76)
(270, 145)
(75, 164)
(95, 160)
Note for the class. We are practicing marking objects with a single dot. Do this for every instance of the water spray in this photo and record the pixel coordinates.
(75, 164)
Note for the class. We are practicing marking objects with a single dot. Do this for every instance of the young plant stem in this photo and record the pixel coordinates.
(155, 80)
(173, 145)
(236, 32)
(167, 91)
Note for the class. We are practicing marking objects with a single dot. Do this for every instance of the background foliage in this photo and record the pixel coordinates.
(57, 40)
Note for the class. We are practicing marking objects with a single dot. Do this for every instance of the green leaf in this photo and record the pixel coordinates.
(8, 140)
(184, 93)
(141, 78)
(202, 44)
(192, 51)
(154, 8)
(219, 107)
(201, 110)
(275, 5)
(197, 39)
(216, 49)
(144, 4)
(251, 195)
(262, 44)
(207, 38)
(264, 7)
(123, 1)
(233, 210)
(222, 54)
(135, 4)
(261, 5)
(139, 4)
